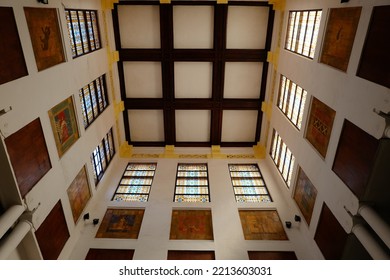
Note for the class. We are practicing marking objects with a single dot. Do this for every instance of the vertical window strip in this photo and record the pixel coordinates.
(83, 31)
(192, 183)
(100, 161)
(292, 99)
(248, 183)
(93, 99)
(302, 32)
(136, 182)
(283, 161)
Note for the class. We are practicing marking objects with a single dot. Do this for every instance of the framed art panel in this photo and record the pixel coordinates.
(45, 34)
(320, 125)
(305, 195)
(339, 36)
(121, 223)
(79, 193)
(12, 63)
(64, 126)
(191, 225)
(375, 57)
(29, 156)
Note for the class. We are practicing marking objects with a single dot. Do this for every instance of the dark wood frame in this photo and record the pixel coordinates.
(167, 55)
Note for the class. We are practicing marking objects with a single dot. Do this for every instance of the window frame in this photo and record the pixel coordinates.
(99, 164)
(276, 153)
(284, 101)
(296, 34)
(189, 177)
(104, 97)
(134, 194)
(252, 186)
(94, 22)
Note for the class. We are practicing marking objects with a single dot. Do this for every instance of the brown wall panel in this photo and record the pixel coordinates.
(330, 235)
(271, 255)
(109, 254)
(29, 156)
(355, 157)
(191, 255)
(53, 233)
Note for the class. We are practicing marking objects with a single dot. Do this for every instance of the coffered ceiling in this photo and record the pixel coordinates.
(193, 73)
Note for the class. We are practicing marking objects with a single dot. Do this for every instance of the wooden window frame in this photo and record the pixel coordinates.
(99, 83)
(252, 186)
(286, 95)
(93, 45)
(194, 195)
(277, 154)
(100, 164)
(295, 32)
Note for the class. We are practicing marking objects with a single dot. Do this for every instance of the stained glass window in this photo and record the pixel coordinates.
(83, 31)
(248, 183)
(302, 32)
(282, 157)
(192, 183)
(136, 182)
(292, 99)
(102, 156)
(93, 98)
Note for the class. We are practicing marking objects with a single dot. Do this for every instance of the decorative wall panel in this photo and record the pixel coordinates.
(109, 254)
(305, 195)
(29, 156)
(319, 128)
(191, 255)
(271, 255)
(45, 36)
(262, 225)
(121, 223)
(12, 63)
(339, 36)
(53, 233)
(79, 193)
(191, 224)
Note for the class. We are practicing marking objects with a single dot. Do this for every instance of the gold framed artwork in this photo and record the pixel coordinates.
(45, 34)
(79, 193)
(121, 223)
(64, 125)
(319, 128)
(262, 225)
(305, 195)
(191, 225)
(339, 36)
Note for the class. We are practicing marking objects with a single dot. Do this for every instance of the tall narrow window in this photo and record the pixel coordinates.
(93, 98)
(282, 157)
(248, 183)
(102, 156)
(136, 182)
(192, 183)
(302, 32)
(83, 31)
(292, 100)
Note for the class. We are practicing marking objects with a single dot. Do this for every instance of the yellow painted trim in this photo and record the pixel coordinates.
(273, 57)
(169, 152)
(216, 153)
(125, 150)
(113, 57)
(108, 4)
(266, 107)
(119, 108)
(165, 1)
(278, 5)
(259, 151)
(222, 1)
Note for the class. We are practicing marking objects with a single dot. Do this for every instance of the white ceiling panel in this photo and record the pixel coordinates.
(146, 125)
(193, 27)
(243, 79)
(193, 125)
(143, 79)
(246, 27)
(239, 126)
(140, 26)
(193, 79)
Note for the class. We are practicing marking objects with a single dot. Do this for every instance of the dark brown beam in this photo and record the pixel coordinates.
(140, 55)
(193, 55)
(241, 104)
(144, 103)
(245, 55)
